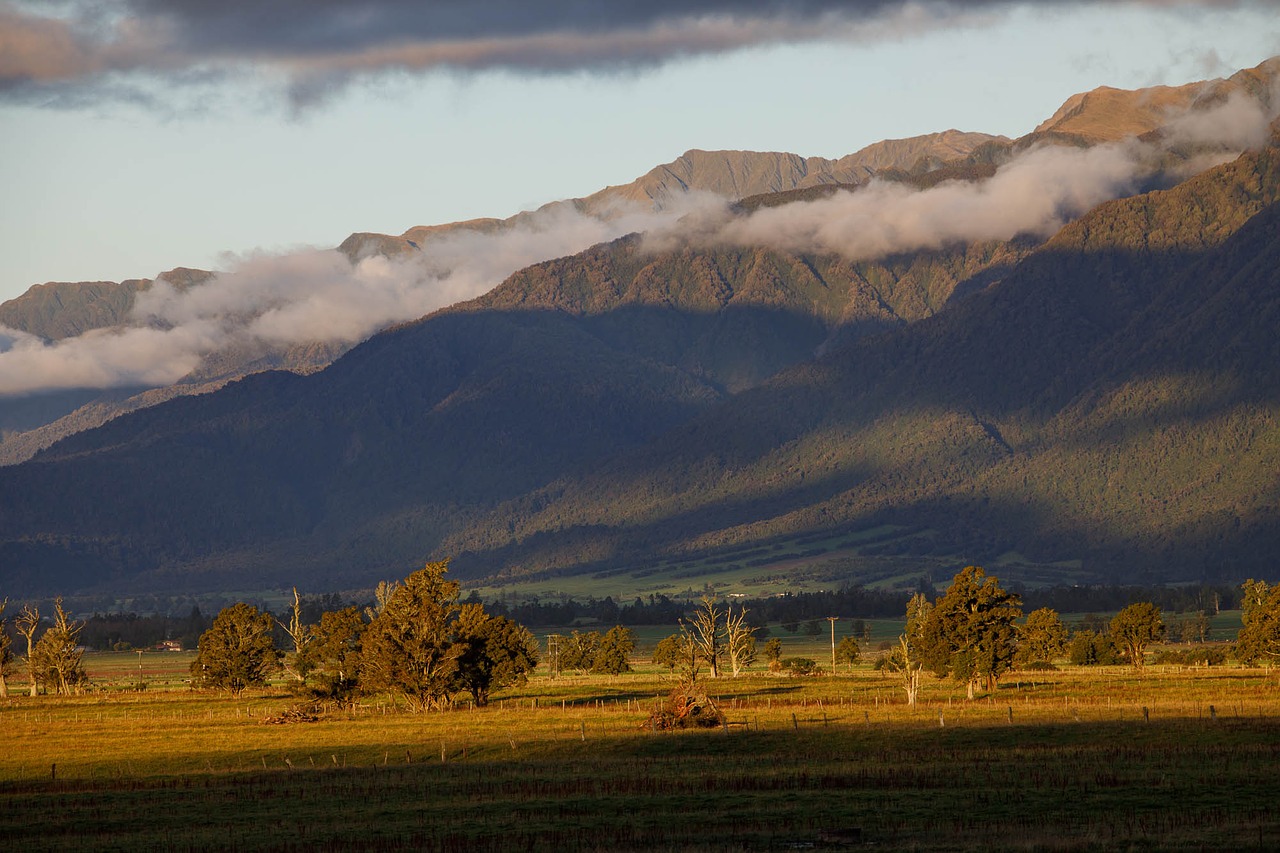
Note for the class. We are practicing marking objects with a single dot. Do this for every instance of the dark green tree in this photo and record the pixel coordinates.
(1041, 638)
(237, 651)
(331, 658)
(970, 633)
(614, 653)
(408, 648)
(848, 652)
(679, 654)
(496, 652)
(773, 653)
(1135, 628)
(578, 651)
(1089, 648)
(1259, 637)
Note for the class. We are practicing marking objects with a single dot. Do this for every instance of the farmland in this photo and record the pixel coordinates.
(1074, 759)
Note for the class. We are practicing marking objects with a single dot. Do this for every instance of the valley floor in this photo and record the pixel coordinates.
(1079, 759)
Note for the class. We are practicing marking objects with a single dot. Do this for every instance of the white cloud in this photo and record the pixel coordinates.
(304, 297)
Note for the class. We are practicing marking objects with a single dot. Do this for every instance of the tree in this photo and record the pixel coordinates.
(773, 653)
(27, 623)
(679, 653)
(740, 640)
(408, 648)
(497, 652)
(813, 628)
(905, 658)
(332, 654)
(613, 656)
(1136, 627)
(970, 633)
(1196, 629)
(299, 635)
(57, 657)
(578, 651)
(1089, 648)
(671, 652)
(6, 652)
(1042, 638)
(707, 634)
(848, 652)
(1259, 637)
(237, 651)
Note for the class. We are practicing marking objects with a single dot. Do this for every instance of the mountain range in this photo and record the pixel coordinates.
(1084, 394)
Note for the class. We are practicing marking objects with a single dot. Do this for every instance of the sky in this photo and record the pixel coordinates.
(141, 135)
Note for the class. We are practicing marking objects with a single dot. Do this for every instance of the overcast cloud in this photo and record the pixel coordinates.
(52, 53)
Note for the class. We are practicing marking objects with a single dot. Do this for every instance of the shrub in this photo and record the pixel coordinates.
(800, 666)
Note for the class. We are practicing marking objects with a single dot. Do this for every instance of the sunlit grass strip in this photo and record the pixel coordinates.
(568, 764)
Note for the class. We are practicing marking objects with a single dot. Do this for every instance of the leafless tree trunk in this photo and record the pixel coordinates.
(27, 623)
(707, 634)
(6, 654)
(298, 634)
(740, 640)
(910, 671)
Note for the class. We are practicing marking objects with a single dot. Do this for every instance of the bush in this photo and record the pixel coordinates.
(800, 666)
(1197, 656)
(1040, 666)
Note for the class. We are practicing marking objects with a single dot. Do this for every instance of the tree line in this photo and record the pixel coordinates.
(419, 641)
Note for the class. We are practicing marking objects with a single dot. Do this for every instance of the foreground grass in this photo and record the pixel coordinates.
(1067, 761)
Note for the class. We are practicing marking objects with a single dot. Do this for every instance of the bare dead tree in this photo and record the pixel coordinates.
(6, 653)
(300, 635)
(27, 623)
(740, 640)
(707, 634)
(905, 658)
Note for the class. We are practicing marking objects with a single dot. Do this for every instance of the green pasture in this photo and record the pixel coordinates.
(1178, 758)
(882, 556)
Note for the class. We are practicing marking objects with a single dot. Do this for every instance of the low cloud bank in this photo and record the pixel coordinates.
(1037, 192)
(269, 301)
(319, 296)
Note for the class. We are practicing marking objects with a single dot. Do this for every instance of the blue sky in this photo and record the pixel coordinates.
(124, 155)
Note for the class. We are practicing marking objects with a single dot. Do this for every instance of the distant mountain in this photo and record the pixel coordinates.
(1098, 406)
(1107, 115)
(359, 470)
(58, 309)
(1111, 405)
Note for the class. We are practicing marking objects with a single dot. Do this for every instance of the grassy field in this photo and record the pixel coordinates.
(1079, 759)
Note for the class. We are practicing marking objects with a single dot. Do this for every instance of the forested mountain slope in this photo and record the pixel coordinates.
(1112, 403)
(341, 475)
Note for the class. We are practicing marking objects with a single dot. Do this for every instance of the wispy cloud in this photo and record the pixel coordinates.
(313, 47)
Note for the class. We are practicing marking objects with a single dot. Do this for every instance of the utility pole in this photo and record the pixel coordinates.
(833, 620)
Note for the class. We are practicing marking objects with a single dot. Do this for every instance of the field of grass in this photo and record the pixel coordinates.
(881, 557)
(1079, 759)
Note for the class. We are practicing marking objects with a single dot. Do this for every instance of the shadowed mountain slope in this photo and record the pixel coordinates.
(358, 471)
(1109, 403)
